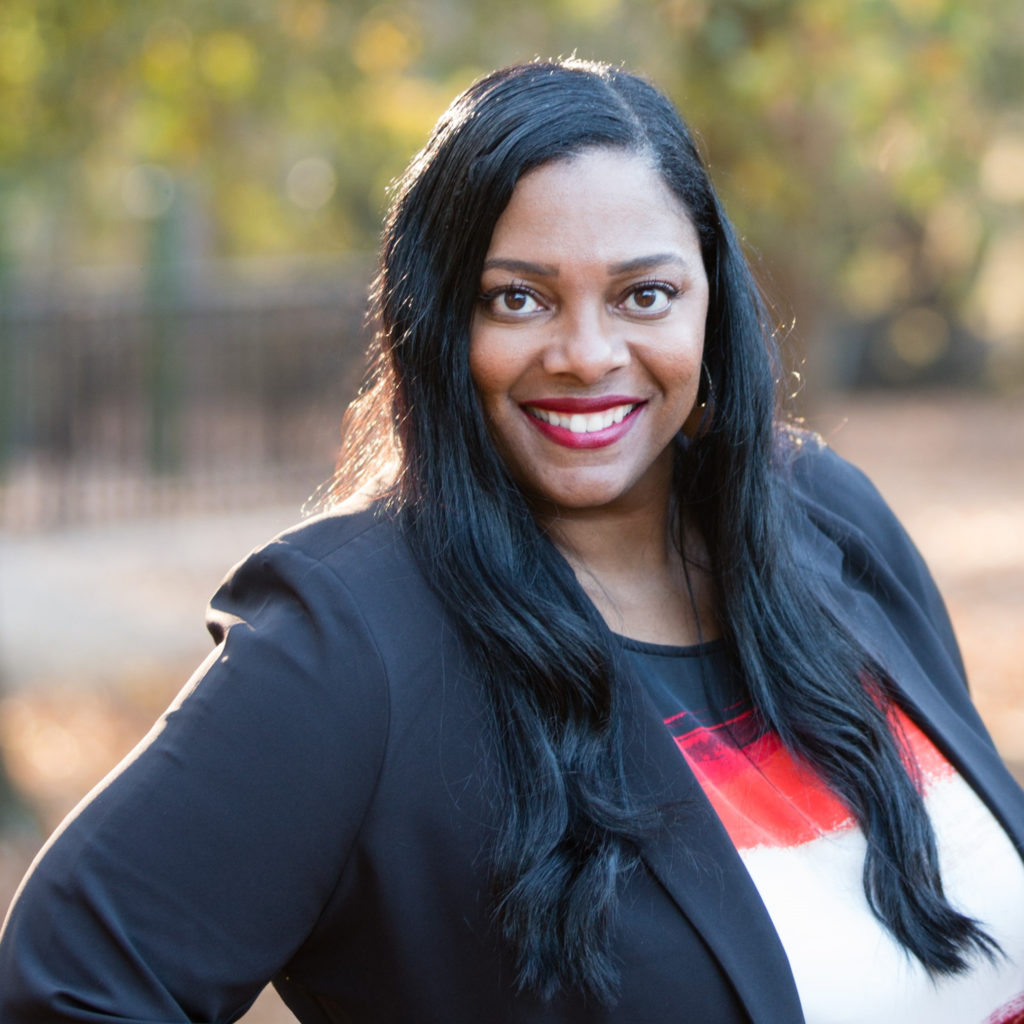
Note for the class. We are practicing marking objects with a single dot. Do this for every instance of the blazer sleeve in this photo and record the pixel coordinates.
(190, 876)
(878, 554)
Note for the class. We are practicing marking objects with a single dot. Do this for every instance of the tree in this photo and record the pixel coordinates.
(873, 153)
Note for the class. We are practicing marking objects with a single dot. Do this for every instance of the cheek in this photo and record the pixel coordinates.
(681, 372)
(489, 369)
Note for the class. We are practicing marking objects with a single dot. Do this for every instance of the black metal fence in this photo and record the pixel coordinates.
(118, 398)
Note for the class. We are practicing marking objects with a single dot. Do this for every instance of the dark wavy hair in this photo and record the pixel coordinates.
(417, 434)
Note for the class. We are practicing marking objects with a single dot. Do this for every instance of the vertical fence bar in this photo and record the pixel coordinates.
(163, 356)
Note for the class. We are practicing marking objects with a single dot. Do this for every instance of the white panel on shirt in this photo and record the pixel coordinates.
(848, 968)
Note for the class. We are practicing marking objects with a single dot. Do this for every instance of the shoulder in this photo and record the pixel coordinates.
(818, 474)
(841, 500)
(291, 604)
(856, 539)
(334, 578)
(341, 542)
(333, 550)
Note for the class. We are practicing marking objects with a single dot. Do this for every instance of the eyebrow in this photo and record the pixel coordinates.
(625, 267)
(522, 267)
(647, 262)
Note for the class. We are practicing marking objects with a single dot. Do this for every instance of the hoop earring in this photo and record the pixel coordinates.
(698, 423)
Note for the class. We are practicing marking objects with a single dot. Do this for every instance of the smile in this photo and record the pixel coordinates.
(583, 423)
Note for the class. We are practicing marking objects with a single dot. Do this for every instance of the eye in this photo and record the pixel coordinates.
(652, 298)
(511, 301)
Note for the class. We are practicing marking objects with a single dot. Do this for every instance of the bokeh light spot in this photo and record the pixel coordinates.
(311, 183)
(381, 46)
(1002, 170)
(229, 62)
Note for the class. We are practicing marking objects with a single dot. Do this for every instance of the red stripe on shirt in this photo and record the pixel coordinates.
(767, 797)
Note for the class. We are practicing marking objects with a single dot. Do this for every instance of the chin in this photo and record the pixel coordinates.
(576, 498)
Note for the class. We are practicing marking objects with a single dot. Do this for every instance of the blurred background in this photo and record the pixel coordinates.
(190, 196)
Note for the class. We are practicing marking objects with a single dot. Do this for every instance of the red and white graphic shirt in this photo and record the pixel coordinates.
(805, 853)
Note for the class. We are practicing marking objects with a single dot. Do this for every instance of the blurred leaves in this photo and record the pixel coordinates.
(872, 153)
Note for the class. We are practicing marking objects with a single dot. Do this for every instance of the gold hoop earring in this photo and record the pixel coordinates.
(698, 423)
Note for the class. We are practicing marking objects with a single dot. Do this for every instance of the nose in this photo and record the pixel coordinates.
(587, 346)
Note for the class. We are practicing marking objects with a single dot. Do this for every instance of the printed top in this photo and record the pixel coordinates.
(805, 853)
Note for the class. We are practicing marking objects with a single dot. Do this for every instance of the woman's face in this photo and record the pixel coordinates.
(586, 343)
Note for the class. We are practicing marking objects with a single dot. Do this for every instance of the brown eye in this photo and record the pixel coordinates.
(511, 302)
(649, 299)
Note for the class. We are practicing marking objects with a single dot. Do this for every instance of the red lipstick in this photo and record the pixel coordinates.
(575, 435)
(570, 405)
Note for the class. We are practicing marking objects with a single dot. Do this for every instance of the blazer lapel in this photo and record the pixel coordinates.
(693, 857)
(970, 753)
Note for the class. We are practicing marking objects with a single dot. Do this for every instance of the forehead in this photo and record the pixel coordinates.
(603, 203)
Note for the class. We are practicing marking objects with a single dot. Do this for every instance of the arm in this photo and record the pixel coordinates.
(188, 878)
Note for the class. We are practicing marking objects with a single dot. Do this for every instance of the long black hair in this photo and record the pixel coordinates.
(569, 828)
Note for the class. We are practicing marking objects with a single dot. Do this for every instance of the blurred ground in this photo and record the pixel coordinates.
(100, 627)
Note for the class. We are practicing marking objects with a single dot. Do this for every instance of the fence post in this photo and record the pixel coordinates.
(6, 345)
(163, 356)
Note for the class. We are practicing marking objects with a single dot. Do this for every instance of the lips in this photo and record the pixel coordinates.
(583, 422)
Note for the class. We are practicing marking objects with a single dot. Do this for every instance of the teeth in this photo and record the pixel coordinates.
(581, 423)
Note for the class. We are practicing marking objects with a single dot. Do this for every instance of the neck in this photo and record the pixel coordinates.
(603, 541)
(629, 565)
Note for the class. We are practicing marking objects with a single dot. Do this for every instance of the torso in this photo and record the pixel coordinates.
(805, 854)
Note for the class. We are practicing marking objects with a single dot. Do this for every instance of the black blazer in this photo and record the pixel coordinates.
(315, 807)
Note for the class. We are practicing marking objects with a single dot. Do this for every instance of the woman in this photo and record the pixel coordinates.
(615, 701)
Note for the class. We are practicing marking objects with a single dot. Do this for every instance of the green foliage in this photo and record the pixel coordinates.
(868, 150)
